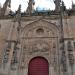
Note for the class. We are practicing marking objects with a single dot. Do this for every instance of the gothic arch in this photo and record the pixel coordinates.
(31, 43)
(40, 24)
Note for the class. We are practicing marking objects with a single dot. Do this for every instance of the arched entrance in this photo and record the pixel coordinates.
(38, 66)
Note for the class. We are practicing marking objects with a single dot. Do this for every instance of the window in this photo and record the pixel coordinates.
(40, 31)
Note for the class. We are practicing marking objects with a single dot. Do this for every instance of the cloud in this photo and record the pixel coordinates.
(68, 3)
(47, 4)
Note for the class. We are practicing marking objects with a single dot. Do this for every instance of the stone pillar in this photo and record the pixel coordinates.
(51, 71)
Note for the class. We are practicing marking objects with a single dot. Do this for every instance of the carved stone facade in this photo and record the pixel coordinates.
(39, 37)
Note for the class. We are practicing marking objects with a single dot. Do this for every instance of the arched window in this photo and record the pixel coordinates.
(40, 31)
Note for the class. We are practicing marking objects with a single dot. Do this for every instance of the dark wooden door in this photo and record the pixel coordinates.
(38, 66)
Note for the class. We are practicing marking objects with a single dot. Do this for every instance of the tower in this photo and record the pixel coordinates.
(0, 9)
(57, 4)
(6, 7)
(30, 7)
(73, 5)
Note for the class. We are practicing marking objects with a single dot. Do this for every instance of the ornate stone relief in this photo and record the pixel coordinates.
(47, 29)
(39, 39)
(39, 48)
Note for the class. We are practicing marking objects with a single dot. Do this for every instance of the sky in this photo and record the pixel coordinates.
(41, 4)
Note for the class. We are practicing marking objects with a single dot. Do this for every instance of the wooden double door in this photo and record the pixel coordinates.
(38, 66)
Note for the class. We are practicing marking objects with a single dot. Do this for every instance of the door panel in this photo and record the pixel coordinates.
(38, 66)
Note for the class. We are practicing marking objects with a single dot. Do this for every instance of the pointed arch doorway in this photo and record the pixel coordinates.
(38, 66)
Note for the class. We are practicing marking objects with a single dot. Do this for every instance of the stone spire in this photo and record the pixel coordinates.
(73, 5)
(6, 7)
(0, 5)
(0, 9)
(57, 4)
(30, 7)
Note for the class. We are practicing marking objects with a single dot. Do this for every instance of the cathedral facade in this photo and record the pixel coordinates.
(37, 45)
